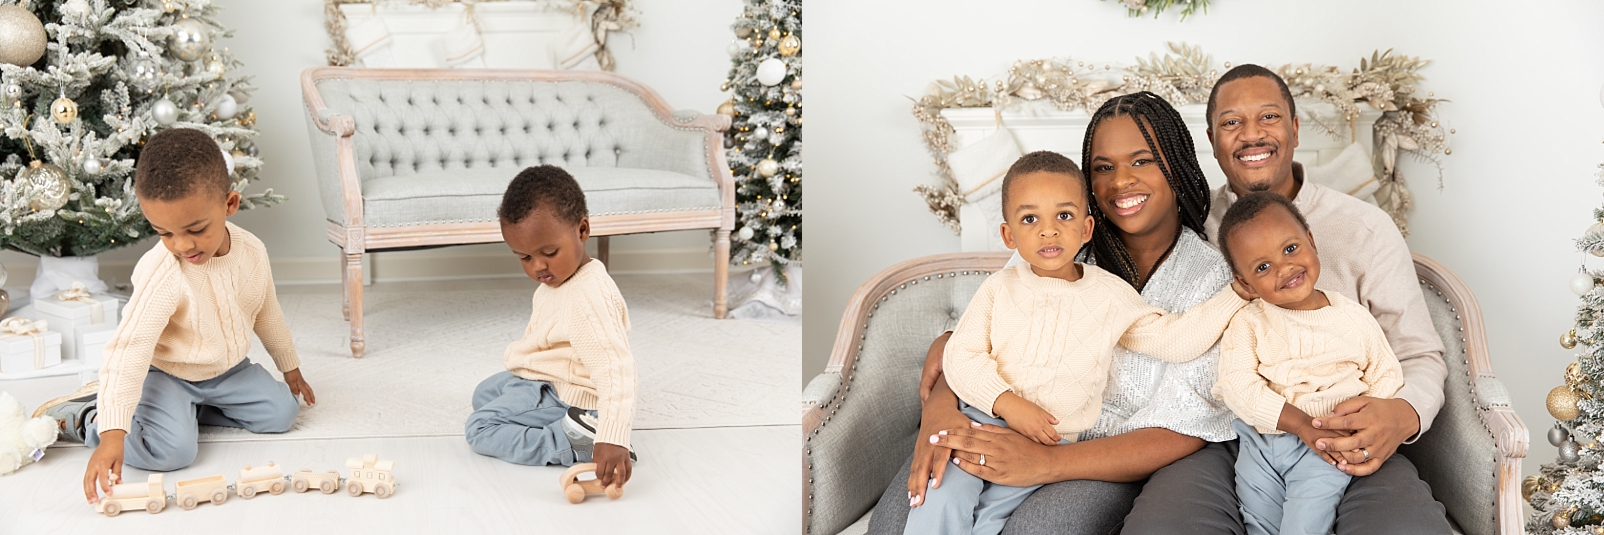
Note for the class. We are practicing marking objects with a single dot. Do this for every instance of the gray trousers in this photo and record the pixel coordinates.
(164, 433)
(964, 503)
(1284, 486)
(520, 421)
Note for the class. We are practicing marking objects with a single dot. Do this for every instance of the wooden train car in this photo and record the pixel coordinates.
(306, 479)
(150, 496)
(369, 474)
(190, 493)
(254, 480)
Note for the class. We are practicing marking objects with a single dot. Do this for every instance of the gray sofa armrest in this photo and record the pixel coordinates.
(860, 415)
(1471, 456)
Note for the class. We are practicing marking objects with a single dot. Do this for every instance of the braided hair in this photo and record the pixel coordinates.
(1171, 144)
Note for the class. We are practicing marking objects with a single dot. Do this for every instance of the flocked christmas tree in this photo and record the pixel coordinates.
(764, 143)
(84, 84)
(1567, 496)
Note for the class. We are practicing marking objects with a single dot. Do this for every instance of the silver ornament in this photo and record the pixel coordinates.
(1570, 451)
(1581, 283)
(13, 91)
(22, 36)
(92, 166)
(142, 72)
(1558, 435)
(760, 133)
(164, 112)
(190, 40)
(215, 66)
(225, 107)
(46, 186)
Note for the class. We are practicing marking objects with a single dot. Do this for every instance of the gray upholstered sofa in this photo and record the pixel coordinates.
(860, 415)
(410, 158)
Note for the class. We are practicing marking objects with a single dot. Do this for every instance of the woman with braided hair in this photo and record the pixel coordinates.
(1150, 201)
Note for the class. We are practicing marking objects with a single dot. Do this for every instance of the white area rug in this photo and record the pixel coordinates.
(427, 350)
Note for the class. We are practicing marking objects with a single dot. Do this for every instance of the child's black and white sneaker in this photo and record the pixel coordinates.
(71, 411)
(580, 427)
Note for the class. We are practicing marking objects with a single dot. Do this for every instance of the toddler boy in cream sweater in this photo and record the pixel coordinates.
(1293, 353)
(568, 395)
(1033, 348)
(177, 359)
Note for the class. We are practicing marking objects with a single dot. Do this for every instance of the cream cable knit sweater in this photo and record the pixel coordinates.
(193, 322)
(578, 340)
(1050, 341)
(1313, 359)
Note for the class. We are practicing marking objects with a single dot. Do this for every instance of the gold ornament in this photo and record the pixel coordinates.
(1529, 486)
(774, 33)
(248, 119)
(774, 246)
(790, 45)
(22, 36)
(796, 84)
(64, 110)
(768, 167)
(743, 32)
(724, 86)
(1574, 377)
(1562, 403)
(46, 185)
(727, 108)
(1561, 519)
(1568, 340)
(1598, 529)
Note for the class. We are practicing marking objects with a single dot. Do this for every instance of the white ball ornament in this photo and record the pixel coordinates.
(745, 233)
(164, 112)
(226, 107)
(768, 167)
(760, 133)
(92, 166)
(1581, 283)
(771, 71)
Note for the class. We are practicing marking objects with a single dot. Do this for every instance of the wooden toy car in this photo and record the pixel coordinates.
(369, 474)
(189, 493)
(149, 496)
(306, 479)
(575, 489)
(254, 480)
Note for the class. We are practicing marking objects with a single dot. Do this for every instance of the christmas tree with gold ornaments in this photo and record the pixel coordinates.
(83, 84)
(1567, 496)
(764, 142)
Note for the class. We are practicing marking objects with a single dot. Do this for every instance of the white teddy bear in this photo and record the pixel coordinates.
(20, 436)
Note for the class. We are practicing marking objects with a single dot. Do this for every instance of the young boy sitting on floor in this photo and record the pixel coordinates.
(1294, 353)
(568, 395)
(177, 360)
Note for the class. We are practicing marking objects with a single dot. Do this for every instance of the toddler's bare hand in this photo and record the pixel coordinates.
(612, 464)
(298, 386)
(105, 465)
(1027, 418)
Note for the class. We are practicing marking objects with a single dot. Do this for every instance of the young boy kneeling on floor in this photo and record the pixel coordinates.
(177, 360)
(568, 395)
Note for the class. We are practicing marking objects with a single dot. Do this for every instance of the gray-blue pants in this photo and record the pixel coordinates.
(964, 503)
(1284, 486)
(520, 421)
(165, 431)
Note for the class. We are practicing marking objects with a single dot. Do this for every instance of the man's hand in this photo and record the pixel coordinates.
(1294, 420)
(298, 386)
(105, 465)
(932, 370)
(1027, 418)
(612, 464)
(929, 461)
(1377, 426)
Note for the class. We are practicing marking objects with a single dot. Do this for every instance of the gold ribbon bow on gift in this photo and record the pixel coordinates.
(13, 327)
(80, 293)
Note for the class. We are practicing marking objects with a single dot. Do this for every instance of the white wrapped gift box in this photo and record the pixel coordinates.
(69, 316)
(28, 352)
(87, 343)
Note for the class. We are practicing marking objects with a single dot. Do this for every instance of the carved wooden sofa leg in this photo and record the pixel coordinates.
(353, 296)
(721, 271)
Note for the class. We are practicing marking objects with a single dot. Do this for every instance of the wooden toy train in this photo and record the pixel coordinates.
(368, 474)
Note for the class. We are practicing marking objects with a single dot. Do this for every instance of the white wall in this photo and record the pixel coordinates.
(1523, 79)
(678, 51)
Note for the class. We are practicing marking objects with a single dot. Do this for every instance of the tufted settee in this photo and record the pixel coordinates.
(859, 417)
(410, 158)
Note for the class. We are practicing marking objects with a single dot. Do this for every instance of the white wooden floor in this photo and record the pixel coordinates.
(730, 480)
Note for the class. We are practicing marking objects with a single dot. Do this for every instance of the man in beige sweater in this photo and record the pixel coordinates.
(177, 360)
(1253, 127)
(1294, 351)
(568, 395)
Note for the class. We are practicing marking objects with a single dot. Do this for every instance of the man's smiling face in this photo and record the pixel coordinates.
(1253, 133)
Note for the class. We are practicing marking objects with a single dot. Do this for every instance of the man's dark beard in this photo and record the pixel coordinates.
(1261, 186)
